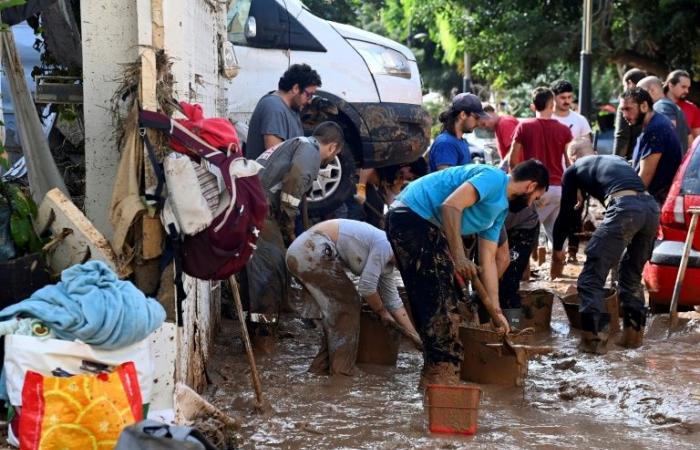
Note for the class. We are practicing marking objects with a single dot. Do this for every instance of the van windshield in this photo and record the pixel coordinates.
(235, 21)
(691, 178)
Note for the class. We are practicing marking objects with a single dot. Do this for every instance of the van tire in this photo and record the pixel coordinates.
(344, 168)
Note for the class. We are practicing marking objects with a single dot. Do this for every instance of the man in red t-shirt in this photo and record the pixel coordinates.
(502, 126)
(545, 139)
(677, 88)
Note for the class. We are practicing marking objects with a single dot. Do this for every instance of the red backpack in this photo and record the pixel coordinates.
(225, 246)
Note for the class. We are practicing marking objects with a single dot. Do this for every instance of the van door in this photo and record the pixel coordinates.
(259, 31)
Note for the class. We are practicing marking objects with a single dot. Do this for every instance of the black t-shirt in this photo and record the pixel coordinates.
(598, 176)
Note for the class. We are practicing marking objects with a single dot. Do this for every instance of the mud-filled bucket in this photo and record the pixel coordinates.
(486, 361)
(452, 409)
(536, 308)
(377, 344)
(572, 302)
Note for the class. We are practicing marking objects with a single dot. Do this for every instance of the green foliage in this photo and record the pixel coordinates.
(23, 212)
(10, 3)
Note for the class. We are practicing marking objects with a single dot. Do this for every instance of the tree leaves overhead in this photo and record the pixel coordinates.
(514, 41)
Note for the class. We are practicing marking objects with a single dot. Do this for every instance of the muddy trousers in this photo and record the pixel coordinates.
(422, 257)
(626, 236)
(267, 277)
(520, 243)
(313, 259)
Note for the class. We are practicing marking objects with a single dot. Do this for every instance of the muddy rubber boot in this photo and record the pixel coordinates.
(594, 333)
(633, 323)
(441, 373)
(514, 316)
(262, 337)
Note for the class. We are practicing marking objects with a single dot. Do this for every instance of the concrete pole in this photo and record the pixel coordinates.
(109, 40)
(585, 75)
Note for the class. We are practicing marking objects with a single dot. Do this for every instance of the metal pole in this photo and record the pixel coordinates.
(683, 266)
(585, 73)
(467, 80)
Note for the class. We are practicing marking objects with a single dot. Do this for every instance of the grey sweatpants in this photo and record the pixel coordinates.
(313, 259)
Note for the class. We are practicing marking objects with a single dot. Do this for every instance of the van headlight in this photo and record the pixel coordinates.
(382, 60)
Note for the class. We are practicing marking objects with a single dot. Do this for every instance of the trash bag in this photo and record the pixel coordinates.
(7, 248)
(153, 435)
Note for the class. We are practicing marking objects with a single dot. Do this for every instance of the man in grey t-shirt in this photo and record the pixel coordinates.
(319, 258)
(276, 116)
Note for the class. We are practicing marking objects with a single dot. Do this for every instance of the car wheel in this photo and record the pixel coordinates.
(333, 185)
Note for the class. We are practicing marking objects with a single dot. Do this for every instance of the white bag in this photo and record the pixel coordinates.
(24, 353)
(193, 193)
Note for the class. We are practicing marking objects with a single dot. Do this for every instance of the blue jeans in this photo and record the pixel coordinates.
(626, 237)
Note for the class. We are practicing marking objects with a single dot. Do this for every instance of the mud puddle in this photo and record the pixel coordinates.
(645, 398)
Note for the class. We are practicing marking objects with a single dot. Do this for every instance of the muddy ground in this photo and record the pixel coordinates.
(645, 398)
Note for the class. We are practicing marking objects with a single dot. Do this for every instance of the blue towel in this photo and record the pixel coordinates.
(91, 304)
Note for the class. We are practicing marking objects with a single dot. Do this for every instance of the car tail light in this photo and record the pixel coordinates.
(673, 213)
(679, 210)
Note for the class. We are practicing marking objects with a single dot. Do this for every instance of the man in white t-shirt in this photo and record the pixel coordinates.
(563, 98)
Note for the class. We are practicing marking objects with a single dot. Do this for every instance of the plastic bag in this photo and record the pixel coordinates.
(79, 412)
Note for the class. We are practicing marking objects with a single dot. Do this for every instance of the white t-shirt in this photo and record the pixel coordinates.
(576, 122)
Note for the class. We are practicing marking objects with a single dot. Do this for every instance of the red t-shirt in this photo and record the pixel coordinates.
(692, 113)
(504, 133)
(544, 139)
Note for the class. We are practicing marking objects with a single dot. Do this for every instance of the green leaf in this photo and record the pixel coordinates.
(21, 231)
(4, 161)
(10, 3)
(19, 202)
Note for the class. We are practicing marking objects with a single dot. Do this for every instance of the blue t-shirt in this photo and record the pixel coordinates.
(425, 196)
(448, 150)
(659, 136)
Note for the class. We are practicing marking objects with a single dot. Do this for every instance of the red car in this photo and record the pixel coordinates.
(661, 271)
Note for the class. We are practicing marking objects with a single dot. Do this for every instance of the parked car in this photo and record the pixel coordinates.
(660, 273)
(371, 86)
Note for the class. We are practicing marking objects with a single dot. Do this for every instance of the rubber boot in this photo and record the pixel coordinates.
(594, 333)
(262, 337)
(440, 373)
(633, 323)
(514, 316)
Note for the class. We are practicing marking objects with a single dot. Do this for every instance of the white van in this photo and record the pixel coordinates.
(371, 86)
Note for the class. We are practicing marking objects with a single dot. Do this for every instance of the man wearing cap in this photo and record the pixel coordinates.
(449, 149)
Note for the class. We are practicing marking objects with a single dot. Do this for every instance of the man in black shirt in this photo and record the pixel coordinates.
(626, 236)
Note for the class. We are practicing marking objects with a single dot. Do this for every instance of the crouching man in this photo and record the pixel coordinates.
(290, 169)
(319, 258)
(626, 237)
(425, 227)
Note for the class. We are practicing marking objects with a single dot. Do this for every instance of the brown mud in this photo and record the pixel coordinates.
(643, 398)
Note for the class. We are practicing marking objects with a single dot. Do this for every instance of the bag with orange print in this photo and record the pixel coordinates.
(81, 412)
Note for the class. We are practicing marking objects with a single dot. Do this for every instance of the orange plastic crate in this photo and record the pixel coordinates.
(452, 409)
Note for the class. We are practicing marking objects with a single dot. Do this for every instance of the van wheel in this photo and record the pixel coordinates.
(334, 184)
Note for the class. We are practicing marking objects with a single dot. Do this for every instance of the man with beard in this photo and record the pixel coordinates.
(663, 105)
(425, 226)
(449, 149)
(545, 139)
(626, 135)
(290, 169)
(276, 116)
(677, 88)
(657, 152)
(626, 237)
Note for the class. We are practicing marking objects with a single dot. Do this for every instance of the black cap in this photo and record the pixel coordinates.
(468, 103)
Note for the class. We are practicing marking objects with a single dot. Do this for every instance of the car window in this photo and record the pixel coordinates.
(236, 19)
(691, 178)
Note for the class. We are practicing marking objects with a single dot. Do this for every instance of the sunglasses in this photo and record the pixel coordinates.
(307, 93)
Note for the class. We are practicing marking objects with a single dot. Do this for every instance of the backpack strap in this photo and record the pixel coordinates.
(156, 197)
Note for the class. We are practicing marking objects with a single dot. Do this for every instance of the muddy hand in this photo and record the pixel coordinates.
(466, 269)
(500, 322)
(557, 267)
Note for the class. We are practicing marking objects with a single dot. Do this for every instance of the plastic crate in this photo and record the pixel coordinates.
(452, 409)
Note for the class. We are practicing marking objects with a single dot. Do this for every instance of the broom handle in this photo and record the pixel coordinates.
(246, 341)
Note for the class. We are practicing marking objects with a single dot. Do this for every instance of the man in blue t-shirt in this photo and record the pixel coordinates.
(425, 226)
(449, 149)
(657, 153)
